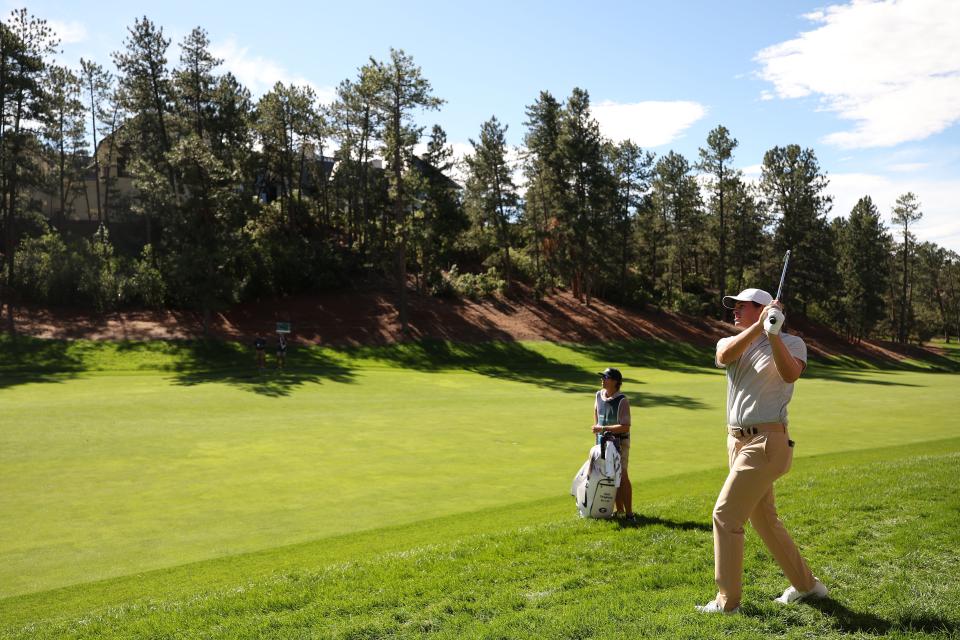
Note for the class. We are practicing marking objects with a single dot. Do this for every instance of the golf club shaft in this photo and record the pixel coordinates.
(783, 274)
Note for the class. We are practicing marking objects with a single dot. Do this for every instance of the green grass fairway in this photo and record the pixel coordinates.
(878, 526)
(117, 459)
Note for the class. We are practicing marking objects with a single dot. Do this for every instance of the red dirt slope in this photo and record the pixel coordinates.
(372, 318)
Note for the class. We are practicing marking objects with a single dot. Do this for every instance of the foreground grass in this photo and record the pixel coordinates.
(150, 455)
(878, 526)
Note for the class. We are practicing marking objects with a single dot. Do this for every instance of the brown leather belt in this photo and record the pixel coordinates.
(754, 429)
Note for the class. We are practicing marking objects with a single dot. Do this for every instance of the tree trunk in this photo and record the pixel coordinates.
(401, 251)
(902, 331)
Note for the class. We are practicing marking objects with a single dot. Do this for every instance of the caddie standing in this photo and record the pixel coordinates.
(762, 365)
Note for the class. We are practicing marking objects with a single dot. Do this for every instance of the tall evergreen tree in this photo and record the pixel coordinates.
(145, 91)
(748, 219)
(676, 199)
(98, 85)
(64, 131)
(864, 247)
(440, 215)
(905, 212)
(491, 196)
(357, 125)
(403, 91)
(716, 160)
(930, 315)
(951, 295)
(291, 129)
(545, 172)
(589, 195)
(633, 172)
(795, 191)
(26, 43)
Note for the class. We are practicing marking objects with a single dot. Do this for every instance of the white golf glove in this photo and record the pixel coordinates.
(774, 322)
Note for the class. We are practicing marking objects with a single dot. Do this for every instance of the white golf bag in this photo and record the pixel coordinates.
(595, 485)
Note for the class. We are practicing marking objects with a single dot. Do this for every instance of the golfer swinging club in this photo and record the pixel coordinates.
(762, 364)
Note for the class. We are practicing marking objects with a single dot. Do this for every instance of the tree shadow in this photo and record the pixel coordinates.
(646, 521)
(651, 354)
(28, 360)
(233, 364)
(502, 360)
(506, 361)
(816, 370)
(688, 358)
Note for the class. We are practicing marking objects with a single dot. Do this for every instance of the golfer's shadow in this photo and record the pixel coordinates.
(849, 621)
(640, 520)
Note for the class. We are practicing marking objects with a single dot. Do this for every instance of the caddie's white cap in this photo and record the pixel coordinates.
(748, 295)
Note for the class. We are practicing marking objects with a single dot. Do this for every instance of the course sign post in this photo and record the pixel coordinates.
(283, 327)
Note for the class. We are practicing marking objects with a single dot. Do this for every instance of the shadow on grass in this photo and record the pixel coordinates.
(819, 371)
(641, 520)
(505, 361)
(651, 354)
(501, 360)
(687, 358)
(849, 621)
(233, 364)
(26, 360)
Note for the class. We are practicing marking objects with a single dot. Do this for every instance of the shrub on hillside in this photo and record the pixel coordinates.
(472, 285)
(79, 272)
(146, 286)
(85, 272)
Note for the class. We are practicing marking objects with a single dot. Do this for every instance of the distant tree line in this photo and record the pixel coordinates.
(244, 198)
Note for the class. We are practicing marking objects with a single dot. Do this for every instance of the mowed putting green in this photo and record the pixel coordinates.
(118, 459)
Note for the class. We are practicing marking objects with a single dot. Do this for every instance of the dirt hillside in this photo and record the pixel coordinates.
(372, 318)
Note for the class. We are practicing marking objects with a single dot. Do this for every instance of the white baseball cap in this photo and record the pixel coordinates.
(748, 295)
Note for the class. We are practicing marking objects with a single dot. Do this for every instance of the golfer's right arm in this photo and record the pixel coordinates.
(731, 350)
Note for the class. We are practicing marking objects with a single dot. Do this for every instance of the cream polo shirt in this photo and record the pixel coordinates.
(755, 391)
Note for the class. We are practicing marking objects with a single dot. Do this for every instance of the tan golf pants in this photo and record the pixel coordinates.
(755, 462)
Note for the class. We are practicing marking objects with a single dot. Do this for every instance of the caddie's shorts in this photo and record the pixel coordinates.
(624, 453)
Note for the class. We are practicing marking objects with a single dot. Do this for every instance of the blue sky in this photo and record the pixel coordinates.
(872, 87)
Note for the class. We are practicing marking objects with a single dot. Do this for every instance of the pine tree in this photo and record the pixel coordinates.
(795, 192)
(26, 43)
(402, 92)
(632, 170)
(864, 247)
(589, 194)
(905, 213)
(491, 196)
(677, 202)
(545, 172)
(717, 162)
(64, 131)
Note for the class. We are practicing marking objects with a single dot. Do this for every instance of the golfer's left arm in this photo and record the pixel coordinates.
(788, 366)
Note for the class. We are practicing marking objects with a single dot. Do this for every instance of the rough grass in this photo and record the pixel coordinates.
(879, 527)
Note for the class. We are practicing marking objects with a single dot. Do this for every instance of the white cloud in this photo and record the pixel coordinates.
(892, 67)
(648, 124)
(909, 167)
(259, 74)
(940, 222)
(68, 32)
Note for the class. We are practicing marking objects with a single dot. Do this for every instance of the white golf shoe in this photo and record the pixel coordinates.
(713, 607)
(791, 595)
